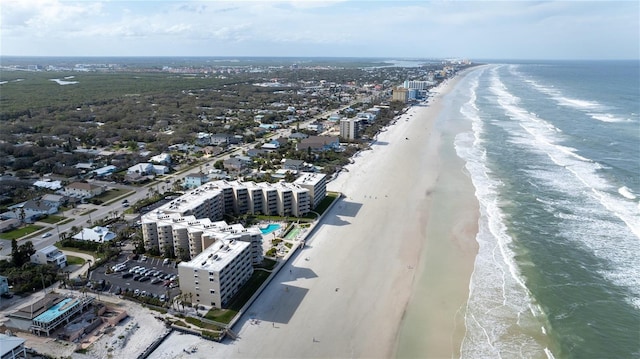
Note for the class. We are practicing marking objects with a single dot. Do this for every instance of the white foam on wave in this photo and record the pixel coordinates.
(595, 222)
(626, 192)
(499, 301)
(607, 117)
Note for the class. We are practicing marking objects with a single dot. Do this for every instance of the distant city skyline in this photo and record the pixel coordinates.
(416, 29)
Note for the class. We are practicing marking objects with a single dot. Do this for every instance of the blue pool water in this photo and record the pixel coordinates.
(270, 228)
(53, 312)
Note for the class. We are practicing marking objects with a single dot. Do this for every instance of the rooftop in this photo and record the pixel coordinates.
(216, 256)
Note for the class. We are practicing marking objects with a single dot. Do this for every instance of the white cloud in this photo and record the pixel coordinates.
(332, 28)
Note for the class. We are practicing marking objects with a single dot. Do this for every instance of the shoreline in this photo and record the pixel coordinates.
(350, 290)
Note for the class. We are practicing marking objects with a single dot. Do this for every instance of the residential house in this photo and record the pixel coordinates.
(86, 166)
(54, 200)
(195, 179)
(83, 190)
(104, 171)
(221, 139)
(319, 143)
(12, 347)
(48, 184)
(95, 234)
(298, 136)
(271, 146)
(295, 165)
(203, 139)
(235, 164)
(315, 126)
(145, 169)
(212, 150)
(161, 159)
(49, 255)
(255, 152)
(9, 224)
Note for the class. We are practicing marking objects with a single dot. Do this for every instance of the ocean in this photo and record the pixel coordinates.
(554, 155)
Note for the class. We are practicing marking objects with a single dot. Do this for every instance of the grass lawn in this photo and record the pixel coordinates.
(247, 290)
(221, 315)
(331, 196)
(72, 260)
(20, 232)
(51, 219)
(112, 194)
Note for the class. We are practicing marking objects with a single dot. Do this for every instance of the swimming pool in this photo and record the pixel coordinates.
(270, 228)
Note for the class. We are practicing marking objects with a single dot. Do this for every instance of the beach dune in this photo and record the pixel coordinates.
(387, 272)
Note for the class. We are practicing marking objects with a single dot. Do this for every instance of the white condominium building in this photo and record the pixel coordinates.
(216, 274)
(316, 183)
(206, 201)
(212, 200)
(293, 200)
(418, 85)
(175, 234)
(270, 198)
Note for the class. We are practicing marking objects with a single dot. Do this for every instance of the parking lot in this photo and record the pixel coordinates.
(114, 282)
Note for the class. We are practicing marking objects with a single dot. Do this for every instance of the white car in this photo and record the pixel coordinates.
(48, 234)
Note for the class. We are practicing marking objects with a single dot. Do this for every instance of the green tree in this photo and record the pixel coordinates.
(21, 254)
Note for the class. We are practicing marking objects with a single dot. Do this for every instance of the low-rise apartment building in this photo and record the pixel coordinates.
(316, 183)
(216, 274)
(175, 234)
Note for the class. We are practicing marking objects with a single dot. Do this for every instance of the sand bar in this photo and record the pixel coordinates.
(400, 244)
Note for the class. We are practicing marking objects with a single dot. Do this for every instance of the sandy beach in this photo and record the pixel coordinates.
(387, 273)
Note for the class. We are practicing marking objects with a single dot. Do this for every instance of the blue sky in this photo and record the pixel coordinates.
(335, 28)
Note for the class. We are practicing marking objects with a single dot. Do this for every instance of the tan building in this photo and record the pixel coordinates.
(400, 94)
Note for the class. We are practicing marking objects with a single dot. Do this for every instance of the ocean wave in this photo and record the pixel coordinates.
(499, 300)
(541, 137)
(592, 215)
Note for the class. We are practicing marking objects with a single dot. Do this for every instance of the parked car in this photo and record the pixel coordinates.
(144, 279)
(127, 275)
(156, 280)
(136, 292)
(137, 277)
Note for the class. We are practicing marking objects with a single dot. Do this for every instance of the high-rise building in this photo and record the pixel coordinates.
(349, 128)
